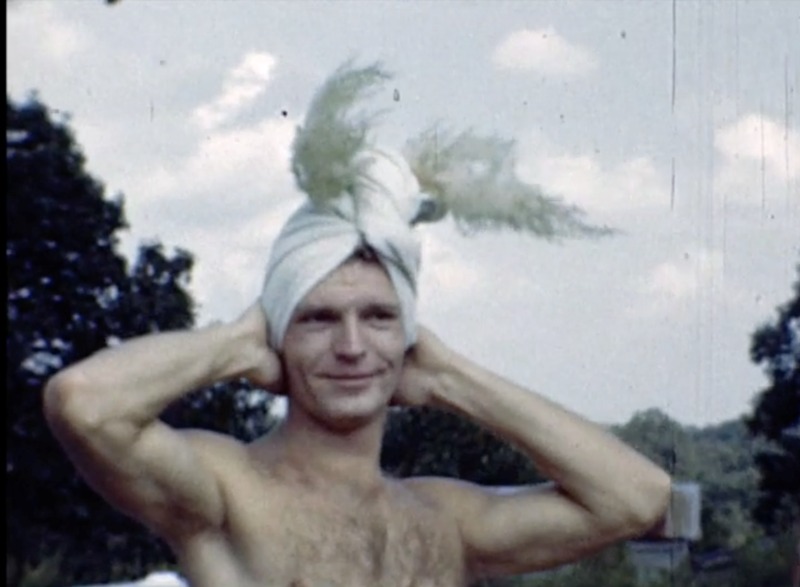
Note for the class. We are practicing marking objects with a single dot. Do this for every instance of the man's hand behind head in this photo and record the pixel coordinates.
(261, 364)
(426, 363)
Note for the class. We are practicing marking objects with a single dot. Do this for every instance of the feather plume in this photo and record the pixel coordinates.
(325, 148)
(473, 178)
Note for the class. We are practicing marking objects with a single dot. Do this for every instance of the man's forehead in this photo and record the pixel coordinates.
(358, 269)
(360, 279)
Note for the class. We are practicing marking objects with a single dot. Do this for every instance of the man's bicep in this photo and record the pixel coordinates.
(515, 530)
(157, 475)
(182, 483)
(530, 528)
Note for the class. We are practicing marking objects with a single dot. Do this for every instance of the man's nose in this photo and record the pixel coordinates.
(349, 340)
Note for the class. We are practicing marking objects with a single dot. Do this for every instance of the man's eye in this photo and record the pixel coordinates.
(381, 315)
(317, 317)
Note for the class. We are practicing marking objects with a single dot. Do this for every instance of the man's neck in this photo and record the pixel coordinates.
(349, 455)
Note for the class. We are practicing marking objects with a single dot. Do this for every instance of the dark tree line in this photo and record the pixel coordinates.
(71, 293)
(776, 416)
(426, 441)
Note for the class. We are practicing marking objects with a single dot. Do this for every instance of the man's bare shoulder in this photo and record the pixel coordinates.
(214, 447)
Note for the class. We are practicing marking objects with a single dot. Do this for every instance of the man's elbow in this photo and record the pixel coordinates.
(66, 403)
(650, 505)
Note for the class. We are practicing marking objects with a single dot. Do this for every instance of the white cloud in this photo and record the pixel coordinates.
(678, 284)
(58, 39)
(760, 161)
(243, 84)
(543, 51)
(231, 258)
(446, 275)
(758, 138)
(256, 158)
(583, 180)
(225, 202)
(673, 280)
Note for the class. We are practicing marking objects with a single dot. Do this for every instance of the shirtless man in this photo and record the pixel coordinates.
(307, 505)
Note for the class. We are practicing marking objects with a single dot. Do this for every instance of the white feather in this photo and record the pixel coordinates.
(325, 152)
(473, 178)
(470, 176)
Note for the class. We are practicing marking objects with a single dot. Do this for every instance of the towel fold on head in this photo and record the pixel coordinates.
(376, 212)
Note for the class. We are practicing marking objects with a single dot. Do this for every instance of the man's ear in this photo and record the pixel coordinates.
(284, 391)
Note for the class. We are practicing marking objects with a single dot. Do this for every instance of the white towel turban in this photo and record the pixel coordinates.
(317, 239)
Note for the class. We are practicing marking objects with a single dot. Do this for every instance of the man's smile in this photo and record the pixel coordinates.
(353, 379)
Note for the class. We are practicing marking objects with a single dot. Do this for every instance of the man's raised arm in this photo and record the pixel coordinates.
(602, 491)
(104, 410)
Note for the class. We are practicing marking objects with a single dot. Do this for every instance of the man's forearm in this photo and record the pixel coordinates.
(590, 465)
(138, 379)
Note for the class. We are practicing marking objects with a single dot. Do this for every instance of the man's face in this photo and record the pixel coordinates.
(344, 347)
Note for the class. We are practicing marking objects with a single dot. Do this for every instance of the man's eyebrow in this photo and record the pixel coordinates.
(384, 306)
(312, 308)
(388, 308)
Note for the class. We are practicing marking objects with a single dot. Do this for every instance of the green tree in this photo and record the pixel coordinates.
(663, 440)
(427, 441)
(66, 292)
(609, 568)
(70, 293)
(775, 346)
(720, 458)
(729, 480)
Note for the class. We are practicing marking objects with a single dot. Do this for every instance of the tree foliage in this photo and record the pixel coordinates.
(663, 440)
(719, 458)
(70, 293)
(775, 346)
(427, 441)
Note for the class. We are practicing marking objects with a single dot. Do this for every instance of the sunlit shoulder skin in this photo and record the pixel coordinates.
(307, 505)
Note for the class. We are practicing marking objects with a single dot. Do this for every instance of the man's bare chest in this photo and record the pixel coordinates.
(324, 540)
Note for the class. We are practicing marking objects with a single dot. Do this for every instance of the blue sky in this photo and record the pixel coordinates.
(674, 122)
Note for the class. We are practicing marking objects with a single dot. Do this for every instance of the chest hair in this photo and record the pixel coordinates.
(391, 541)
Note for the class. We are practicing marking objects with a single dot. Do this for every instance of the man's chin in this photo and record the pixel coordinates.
(354, 419)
